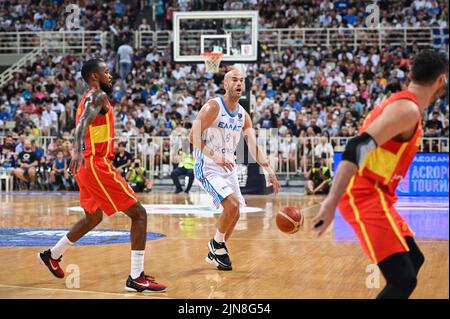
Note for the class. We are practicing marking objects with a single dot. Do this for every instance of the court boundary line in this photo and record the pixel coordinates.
(131, 295)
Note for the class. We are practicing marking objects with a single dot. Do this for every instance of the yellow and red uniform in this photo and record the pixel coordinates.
(100, 184)
(368, 202)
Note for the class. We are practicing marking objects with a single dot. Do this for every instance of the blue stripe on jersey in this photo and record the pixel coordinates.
(198, 171)
(226, 109)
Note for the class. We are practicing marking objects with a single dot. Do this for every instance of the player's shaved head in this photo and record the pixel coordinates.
(234, 83)
(233, 72)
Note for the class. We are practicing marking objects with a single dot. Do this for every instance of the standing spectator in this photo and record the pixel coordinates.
(125, 55)
(160, 12)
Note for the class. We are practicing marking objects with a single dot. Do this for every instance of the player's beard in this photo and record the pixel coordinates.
(441, 92)
(235, 95)
(106, 88)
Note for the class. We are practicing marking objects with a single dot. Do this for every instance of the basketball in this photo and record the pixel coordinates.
(289, 220)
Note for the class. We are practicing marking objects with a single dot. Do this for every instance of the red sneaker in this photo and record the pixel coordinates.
(144, 283)
(46, 259)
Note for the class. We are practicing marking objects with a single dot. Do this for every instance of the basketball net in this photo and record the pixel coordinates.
(212, 61)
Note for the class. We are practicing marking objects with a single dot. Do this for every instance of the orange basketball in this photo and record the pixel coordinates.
(289, 220)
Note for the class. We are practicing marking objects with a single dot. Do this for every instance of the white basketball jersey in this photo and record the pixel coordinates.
(224, 134)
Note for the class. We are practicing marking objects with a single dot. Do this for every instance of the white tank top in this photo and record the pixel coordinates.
(224, 134)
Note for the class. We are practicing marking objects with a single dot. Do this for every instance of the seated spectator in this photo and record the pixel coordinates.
(7, 159)
(59, 175)
(445, 129)
(122, 159)
(266, 121)
(185, 168)
(28, 161)
(324, 150)
(136, 178)
(434, 127)
(319, 179)
(5, 114)
(287, 154)
(51, 118)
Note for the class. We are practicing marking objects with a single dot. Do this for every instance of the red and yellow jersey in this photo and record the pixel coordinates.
(99, 137)
(389, 163)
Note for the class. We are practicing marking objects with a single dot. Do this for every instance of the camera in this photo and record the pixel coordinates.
(136, 165)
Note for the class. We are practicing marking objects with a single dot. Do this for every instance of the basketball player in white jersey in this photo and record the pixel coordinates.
(215, 135)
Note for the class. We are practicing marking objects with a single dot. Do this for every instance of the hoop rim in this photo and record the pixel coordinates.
(213, 55)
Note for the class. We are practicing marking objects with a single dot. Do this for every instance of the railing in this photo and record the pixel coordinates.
(291, 158)
(75, 42)
(351, 37)
(8, 74)
(299, 37)
(152, 39)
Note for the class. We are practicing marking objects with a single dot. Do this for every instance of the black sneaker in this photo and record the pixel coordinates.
(218, 255)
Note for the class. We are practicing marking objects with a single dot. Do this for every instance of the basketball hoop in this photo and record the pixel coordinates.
(212, 61)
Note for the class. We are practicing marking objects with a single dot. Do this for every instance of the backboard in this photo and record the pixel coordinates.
(234, 33)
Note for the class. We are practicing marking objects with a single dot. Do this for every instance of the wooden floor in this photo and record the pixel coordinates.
(267, 263)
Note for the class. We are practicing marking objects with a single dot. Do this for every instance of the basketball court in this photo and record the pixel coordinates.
(267, 263)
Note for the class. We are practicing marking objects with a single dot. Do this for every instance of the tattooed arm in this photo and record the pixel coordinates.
(95, 104)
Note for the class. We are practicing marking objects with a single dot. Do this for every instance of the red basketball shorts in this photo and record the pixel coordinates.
(370, 212)
(102, 187)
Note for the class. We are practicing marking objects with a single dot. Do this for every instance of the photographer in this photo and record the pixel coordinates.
(319, 178)
(136, 178)
(185, 167)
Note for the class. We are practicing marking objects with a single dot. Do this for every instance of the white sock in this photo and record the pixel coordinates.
(137, 263)
(60, 247)
(219, 237)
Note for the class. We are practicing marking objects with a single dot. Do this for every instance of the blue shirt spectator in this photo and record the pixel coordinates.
(351, 19)
(120, 8)
(292, 102)
(5, 115)
(49, 24)
(341, 5)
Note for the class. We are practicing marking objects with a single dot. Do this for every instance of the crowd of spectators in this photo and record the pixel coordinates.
(51, 15)
(119, 16)
(317, 13)
(303, 92)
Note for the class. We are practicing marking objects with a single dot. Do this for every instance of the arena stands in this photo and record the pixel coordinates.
(306, 93)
